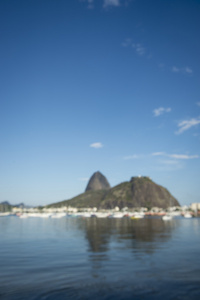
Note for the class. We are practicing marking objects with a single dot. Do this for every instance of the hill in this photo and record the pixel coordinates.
(97, 182)
(5, 206)
(138, 192)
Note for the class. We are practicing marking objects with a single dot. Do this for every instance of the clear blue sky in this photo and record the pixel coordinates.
(108, 85)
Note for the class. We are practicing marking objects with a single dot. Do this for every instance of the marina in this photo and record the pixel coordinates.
(102, 214)
(165, 216)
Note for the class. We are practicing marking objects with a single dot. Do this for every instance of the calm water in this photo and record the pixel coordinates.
(75, 258)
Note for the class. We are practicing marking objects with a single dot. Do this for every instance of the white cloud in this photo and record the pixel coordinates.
(161, 110)
(183, 156)
(175, 156)
(172, 157)
(175, 70)
(188, 70)
(169, 165)
(127, 42)
(89, 2)
(172, 162)
(139, 48)
(185, 70)
(158, 153)
(96, 145)
(111, 3)
(187, 124)
(106, 3)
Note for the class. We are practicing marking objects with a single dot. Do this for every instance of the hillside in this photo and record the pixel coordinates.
(87, 199)
(138, 192)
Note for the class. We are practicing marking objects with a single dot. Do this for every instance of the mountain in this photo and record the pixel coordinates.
(97, 182)
(5, 206)
(5, 203)
(138, 192)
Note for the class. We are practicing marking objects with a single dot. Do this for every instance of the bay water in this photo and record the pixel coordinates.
(91, 258)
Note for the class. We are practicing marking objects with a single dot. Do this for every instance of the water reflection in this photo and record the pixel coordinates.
(98, 233)
(127, 246)
(143, 235)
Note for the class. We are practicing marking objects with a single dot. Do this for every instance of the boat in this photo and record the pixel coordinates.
(23, 216)
(86, 215)
(102, 214)
(137, 215)
(187, 215)
(58, 215)
(167, 217)
(5, 214)
(118, 215)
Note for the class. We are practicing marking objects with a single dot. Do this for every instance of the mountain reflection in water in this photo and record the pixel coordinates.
(143, 235)
(90, 258)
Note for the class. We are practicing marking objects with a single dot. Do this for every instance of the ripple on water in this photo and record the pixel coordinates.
(117, 291)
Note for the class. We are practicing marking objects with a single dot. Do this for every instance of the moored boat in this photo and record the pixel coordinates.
(58, 215)
(187, 215)
(167, 217)
(23, 216)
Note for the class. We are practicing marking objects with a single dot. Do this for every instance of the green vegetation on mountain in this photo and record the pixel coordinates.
(87, 199)
(138, 192)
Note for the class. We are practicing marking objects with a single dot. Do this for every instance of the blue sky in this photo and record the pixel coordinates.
(108, 85)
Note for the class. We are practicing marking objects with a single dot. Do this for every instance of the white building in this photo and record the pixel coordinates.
(195, 206)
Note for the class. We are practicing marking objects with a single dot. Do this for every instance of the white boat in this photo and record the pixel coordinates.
(86, 214)
(167, 217)
(45, 215)
(118, 215)
(102, 214)
(23, 216)
(58, 215)
(138, 215)
(5, 214)
(187, 215)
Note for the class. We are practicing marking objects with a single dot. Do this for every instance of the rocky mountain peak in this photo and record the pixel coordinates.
(97, 182)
